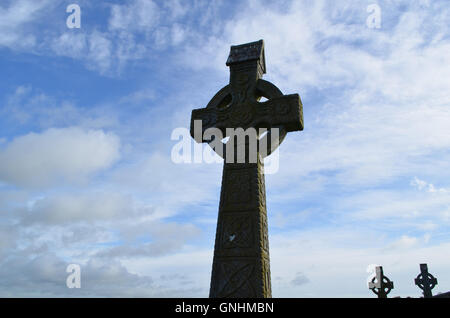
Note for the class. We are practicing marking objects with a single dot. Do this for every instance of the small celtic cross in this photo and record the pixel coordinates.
(380, 284)
(425, 281)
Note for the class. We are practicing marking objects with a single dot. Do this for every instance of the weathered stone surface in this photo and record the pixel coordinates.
(241, 265)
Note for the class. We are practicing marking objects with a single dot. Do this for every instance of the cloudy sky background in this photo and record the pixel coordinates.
(86, 117)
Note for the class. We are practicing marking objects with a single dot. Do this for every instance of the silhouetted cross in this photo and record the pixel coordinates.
(425, 281)
(380, 284)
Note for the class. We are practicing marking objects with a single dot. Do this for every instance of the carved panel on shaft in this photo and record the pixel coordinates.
(242, 235)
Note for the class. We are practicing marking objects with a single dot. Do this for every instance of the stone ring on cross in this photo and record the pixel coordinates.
(238, 105)
(222, 102)
(386, 286)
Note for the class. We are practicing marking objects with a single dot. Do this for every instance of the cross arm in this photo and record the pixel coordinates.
(208, 118)
(284, 111)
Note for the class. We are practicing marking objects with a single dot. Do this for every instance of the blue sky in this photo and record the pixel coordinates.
(87, 114)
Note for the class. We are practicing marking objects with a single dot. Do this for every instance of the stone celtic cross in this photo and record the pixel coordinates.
(425, 281)
(380, 284)
(241, 266)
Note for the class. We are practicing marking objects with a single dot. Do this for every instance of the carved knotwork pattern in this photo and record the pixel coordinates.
(238, 186)
(236, 279)
(262, 110)
(222, 117)
(241, 116)
(283, 108)
(241, 88)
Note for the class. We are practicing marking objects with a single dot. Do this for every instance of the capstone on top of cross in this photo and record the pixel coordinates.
(248, 52)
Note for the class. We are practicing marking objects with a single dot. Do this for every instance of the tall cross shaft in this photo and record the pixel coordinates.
(241, 264)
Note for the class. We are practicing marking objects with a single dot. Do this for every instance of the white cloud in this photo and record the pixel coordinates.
(28, 106)
(85, 207)
(165, 238)
(169, 270)
(8, 236)
(404, 242)
(169, 185)
(420, 184)
(140, 15)
(300, 279)
(57, 155)
(15, 18)
(70, 44)
(100, 51)
(134, 30)
(45, 276)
